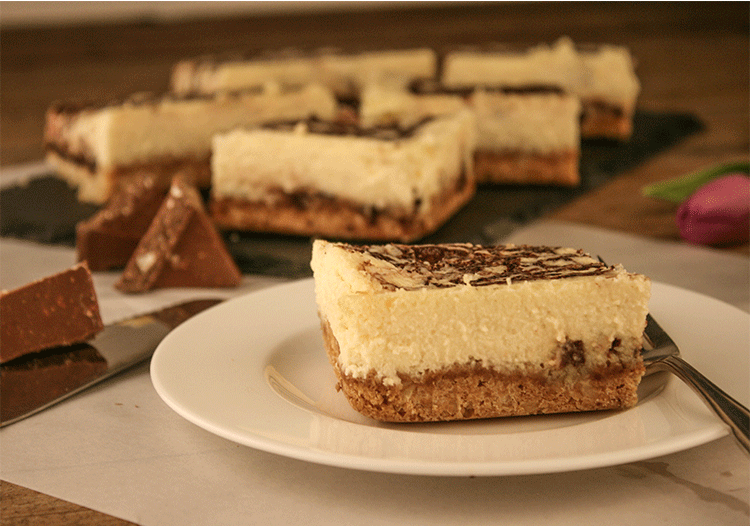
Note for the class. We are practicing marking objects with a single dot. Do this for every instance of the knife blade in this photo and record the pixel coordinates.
(35, 382)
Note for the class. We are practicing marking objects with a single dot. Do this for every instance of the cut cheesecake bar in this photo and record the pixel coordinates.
(527, 138)
(93, 147)
(324, 179)
(344, 73)
(603, 77)
(523, 137)
(457, 331)
(391, 103)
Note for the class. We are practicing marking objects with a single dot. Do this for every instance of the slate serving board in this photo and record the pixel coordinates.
(45, 209)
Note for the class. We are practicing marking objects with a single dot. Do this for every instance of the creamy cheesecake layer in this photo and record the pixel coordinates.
(93, 146)
(345, 73)
(376, 169)
(543, 65)
(401, 311)
(543, 123)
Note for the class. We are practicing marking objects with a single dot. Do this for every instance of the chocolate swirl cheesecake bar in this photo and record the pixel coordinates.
(523, 136)
(449, 332)
(343, 72)
(601, 76)
(94, 147)
(319, 178)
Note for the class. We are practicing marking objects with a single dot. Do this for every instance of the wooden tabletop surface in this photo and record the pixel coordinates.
(692, 57)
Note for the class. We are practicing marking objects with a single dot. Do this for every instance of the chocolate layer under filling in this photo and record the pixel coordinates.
(313, 213)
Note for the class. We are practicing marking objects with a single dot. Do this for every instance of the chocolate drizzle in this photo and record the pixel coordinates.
(433, 87)
(416, 266)
(148, 98)
(315, 125)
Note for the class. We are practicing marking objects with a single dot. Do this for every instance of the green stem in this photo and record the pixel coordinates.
(679, 189)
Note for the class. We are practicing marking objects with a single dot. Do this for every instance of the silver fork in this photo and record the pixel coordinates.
(664, 355)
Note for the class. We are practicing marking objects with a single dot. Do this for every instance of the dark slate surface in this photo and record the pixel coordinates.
(46, 210)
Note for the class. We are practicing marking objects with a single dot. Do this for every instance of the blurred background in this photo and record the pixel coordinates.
(692, 58)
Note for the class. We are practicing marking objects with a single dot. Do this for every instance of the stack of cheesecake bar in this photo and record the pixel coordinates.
(383, 145)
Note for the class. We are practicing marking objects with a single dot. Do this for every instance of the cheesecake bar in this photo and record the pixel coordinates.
(523, 137)
(318, 178)
(392, 103)
(603, 77)
(93, 147)
(457, 331)
(527, 138)
(344, 73)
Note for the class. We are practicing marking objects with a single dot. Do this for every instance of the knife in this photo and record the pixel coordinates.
(35, 382)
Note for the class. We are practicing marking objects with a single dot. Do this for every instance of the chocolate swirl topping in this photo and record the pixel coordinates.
(417, 266)
(317, 126)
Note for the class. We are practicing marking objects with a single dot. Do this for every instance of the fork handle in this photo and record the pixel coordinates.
(733, 413)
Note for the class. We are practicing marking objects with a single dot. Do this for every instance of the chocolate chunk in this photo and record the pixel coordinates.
(61, 309)
(109, 238)
(572, 353)
(181, 248)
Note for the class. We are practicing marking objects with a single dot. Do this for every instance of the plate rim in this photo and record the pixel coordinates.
(682, 442)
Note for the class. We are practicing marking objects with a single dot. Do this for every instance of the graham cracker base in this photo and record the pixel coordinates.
(312, 214)
(600, 120)
(466, 392)
(527, 168)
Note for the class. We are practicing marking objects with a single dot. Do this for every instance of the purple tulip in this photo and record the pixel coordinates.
(718, 212)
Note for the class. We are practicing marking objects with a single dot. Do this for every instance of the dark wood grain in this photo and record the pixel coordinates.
(692, 57)
(22, 506)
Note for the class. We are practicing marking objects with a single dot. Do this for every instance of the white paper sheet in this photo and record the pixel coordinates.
(119, 449)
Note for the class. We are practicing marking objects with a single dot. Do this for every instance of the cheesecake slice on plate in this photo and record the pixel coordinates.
(421, 333)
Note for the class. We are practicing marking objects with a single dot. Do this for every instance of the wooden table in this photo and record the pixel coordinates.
(691, 58)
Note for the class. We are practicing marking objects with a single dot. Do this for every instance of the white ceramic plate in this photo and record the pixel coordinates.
(253, 370)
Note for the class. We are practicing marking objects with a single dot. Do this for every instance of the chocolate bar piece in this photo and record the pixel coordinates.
(181, 248)
(32, 381)
(61, 309)
(109, 238)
